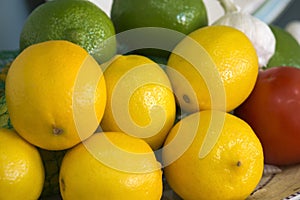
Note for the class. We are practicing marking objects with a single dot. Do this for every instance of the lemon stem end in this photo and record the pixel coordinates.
(57, 131)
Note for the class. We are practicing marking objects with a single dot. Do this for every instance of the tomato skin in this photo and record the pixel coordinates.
(273, 112)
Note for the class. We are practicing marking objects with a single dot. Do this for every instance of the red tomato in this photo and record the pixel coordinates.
(273, 112)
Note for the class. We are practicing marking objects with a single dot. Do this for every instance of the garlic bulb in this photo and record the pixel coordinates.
(257, 31)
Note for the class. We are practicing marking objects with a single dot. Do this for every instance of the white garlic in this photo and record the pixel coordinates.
(256, 30)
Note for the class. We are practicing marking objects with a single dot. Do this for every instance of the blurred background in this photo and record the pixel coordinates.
(13, 14)
(289, 14)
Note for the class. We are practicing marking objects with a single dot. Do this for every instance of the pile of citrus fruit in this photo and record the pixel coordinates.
(91, 110)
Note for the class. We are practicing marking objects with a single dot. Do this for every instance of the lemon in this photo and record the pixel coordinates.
(140, 100)
(80, 22)
(212, 155)
(51, 159)
(210, 63)
(55, 94)
(111, 166)
(21, 168)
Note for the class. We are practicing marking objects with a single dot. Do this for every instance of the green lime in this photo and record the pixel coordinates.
(287, 50)
(180, 15)
(78, 21)
(183, 16)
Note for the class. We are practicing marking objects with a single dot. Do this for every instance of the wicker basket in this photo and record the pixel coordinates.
(279, 186)
(281, 183)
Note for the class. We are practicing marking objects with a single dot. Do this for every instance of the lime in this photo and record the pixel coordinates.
(182, 16)
(178, 15)
(77, 21)
(287, 50)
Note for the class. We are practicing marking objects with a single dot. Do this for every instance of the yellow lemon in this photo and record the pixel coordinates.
(208, 59)
(21, 168)
(140, 100)
(56, 94)
(212, 155)
(111, 166)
